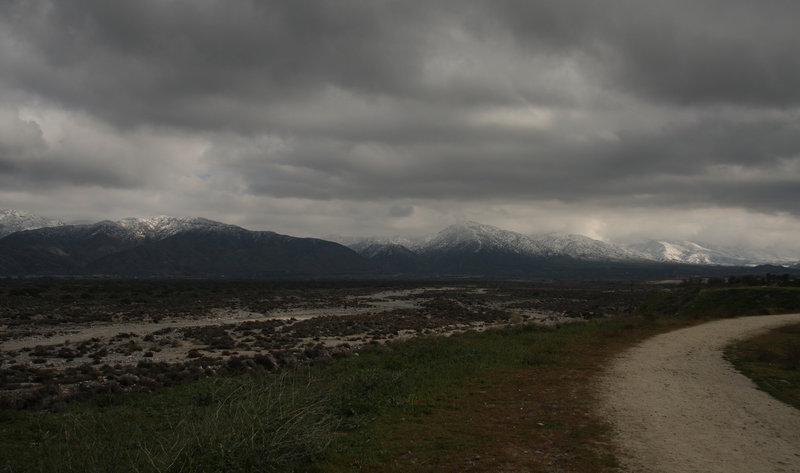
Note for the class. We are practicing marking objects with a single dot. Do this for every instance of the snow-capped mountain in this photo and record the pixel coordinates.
(171, 246)
(768, 255)
(191, 246)
(158, 228)
(381, 250)
(583, 247)
(361, 244)
(681, 252)
(476, 237)
(684, 251)
(473, 237)
(12, 221)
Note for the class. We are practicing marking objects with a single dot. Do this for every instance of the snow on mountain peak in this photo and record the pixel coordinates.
(583, 247)
(360, 244)
(701, 253)
(163, 226)
(12, 221)
(477, 237)
(684, 251)
(468, 236)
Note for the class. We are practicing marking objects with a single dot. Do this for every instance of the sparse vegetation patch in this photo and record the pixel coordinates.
(444, 378)
(772, 361)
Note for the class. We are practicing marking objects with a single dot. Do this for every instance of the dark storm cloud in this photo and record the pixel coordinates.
(682, 103)
(105, 55)
(691, 147)
(59, 174)
(706, 161)
(715, 52)
(202, 64)
(683, 51)
(134, 62)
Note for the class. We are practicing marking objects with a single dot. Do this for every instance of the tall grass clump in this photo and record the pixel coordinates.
(250, 423)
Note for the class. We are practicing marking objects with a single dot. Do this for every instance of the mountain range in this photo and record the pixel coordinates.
(475, 235)
(196, 247)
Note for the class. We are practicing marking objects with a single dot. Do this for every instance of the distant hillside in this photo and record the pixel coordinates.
(172, 247)
(482, 238)
(476, 250)
(197, 247)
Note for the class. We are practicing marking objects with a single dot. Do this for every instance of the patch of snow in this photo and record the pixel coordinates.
(160, 227)
(477, 237)
(12, 221)
(583, 247)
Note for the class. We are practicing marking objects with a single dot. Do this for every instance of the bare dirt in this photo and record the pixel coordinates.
(678, 406)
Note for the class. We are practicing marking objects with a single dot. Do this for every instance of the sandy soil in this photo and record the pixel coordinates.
(678, 406)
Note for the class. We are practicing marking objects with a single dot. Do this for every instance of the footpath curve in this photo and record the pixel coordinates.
(678, 406)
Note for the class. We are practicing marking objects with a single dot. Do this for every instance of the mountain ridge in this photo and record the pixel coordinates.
(12, 221)
(171, 247)
(189, 246)
(477, 236)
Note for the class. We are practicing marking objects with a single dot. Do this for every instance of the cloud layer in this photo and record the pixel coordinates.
(388, 117)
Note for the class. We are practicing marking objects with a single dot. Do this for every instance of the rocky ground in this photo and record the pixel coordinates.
(66, 340)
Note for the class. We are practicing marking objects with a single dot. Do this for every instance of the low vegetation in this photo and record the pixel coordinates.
(216, 424)
(772, 361)
(418, 404)
(702, 301)
(139, 336)
(517, 398)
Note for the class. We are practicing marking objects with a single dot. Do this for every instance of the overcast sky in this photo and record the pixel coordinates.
(617, 119)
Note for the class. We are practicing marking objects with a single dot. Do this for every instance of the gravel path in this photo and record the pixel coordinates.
(678, 406)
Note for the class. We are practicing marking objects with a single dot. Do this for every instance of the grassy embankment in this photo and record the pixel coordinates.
(516, 399)
(704, 303)
(772, 361)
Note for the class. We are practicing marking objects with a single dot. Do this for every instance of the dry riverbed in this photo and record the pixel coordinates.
(66, 340)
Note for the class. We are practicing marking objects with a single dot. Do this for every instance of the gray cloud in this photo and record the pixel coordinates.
(683, 164)
(686, 52)
(122, 60)
(400, 211)
(358, 107)
(158, 62)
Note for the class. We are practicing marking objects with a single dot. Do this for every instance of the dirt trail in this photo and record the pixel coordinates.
(679, 406)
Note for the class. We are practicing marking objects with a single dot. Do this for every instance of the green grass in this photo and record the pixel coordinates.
(328, 418)
(696, 303)
(744, 301)
(449, 404)
(249, 423)
(772, 361)
(667, 303)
